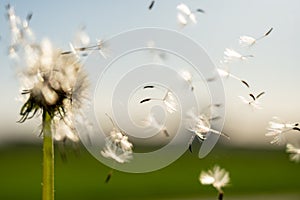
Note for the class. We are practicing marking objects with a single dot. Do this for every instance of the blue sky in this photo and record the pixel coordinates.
(274, 69)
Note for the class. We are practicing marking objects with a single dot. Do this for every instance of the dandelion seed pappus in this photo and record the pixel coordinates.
(146, 86)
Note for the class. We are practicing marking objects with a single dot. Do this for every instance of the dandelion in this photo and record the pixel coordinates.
(232, 55)
(186, 14)
(224, 73)
(253, 102)
(217, 177)
(55, 93)
(54, 87)
(278, 129)
(294, 152)
(249, 41)
(152, 122)
(200, 125)
(168, 100)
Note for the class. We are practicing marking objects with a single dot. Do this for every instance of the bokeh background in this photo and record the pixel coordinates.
(258, 169)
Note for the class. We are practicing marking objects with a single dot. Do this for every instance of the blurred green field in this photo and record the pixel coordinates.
(255, 174)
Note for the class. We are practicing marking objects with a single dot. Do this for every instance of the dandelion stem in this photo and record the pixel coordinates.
(220, 197)
(48, 159)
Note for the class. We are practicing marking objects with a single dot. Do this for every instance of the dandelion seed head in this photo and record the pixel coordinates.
(46, 58)
(49, 95)
(52, 79)
(62, 130)
(51, 82)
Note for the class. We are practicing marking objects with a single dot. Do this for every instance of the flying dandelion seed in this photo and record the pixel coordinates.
(113, 151)
(185, 14)
(200, 125)
(224, 73)
(187, 76)
(148, 86)
(108, 177)
(102, 48)
(85, 51)
(278, 129)
(81, 37)
(250, 41)
(21, 33)
(253, 102)
(181, 19)
(294, 153)
(152, 122)
(117, 146)
(151, 5)
(231, 55)
(217, 177)
(168, 100)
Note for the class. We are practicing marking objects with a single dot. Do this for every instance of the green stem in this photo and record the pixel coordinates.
(48, 158)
